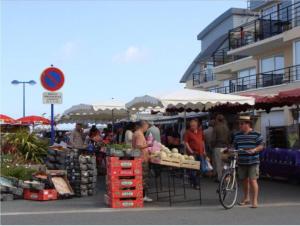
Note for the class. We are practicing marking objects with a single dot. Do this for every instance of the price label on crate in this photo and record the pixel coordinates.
(126, 182)
(127, 204)
(126, 164)
(127, 193)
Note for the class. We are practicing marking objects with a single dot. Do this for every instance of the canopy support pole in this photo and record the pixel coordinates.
(113, 121)
(298, 120)
(184, 124)
(128, 114)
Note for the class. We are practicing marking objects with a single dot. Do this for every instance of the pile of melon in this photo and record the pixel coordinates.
(174, 153)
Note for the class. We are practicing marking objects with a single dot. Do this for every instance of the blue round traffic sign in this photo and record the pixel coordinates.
(52, 79)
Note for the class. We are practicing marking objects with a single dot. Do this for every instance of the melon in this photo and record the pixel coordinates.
(174, 155)
(163, 155)
(181, 157)
(175, 150)
(191, 157)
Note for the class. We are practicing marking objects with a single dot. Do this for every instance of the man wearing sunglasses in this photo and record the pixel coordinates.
(249, 143)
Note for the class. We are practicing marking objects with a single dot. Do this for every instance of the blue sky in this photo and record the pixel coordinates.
(106, 49)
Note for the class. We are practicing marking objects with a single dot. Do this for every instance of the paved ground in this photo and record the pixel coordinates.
(279, 204)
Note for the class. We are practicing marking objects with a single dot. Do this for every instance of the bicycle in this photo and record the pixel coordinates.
(228, 186)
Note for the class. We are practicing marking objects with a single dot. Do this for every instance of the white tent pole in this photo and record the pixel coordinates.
(113, 121)
(184, 122)
(128, 114)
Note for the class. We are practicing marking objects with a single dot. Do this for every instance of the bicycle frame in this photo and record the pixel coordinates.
(231, 168)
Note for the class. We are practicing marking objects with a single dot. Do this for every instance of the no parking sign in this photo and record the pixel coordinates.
(52, 79)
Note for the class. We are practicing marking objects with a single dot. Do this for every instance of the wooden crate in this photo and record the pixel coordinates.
(166, 161)
(190, 164)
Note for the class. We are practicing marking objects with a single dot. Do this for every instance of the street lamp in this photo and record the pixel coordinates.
(16, 82)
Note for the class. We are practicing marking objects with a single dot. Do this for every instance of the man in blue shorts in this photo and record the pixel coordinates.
(249, 143)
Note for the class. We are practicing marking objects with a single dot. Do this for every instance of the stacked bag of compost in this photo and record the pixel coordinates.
(10, 189)
(58, 158)
(80, 166)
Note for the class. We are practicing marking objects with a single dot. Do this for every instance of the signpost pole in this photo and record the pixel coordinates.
(52, 124)
(52, 79)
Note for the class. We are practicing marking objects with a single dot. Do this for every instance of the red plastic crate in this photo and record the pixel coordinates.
(113, 162)
(120, 172)
(125, 194)
(118, 184)
(119, 203)
(42, 195)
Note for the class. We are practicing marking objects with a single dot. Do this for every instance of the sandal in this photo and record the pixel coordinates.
(244, 203)
(254, 206)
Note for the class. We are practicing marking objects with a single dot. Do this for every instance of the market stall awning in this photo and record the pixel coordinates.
(291, 95)
(33, 120)
(201, 100)
(283, 98)
(111, 110)
(143, 103)
(4, 119)
(105, 111)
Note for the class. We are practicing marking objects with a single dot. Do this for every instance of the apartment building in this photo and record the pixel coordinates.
(214, 40)
(260, 56)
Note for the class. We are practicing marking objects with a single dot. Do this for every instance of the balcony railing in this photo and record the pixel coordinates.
(202, 77)
(266, 79)
(220, 57)
(266, 26)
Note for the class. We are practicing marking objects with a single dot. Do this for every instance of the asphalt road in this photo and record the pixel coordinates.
(279, 204)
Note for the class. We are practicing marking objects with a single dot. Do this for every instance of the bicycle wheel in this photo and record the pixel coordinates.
(228, 190)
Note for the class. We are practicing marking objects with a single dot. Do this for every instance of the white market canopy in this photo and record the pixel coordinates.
(200, 100)
(105, 111)
(143, 103)
(186, 99)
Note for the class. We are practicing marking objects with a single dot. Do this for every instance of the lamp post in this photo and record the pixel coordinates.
(16, 82)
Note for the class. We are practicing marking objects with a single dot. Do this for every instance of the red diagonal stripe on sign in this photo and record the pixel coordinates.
(52, 79)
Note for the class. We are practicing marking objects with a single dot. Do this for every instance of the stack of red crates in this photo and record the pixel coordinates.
(124, 182)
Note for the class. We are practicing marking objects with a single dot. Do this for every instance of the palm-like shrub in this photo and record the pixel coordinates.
(28, 146)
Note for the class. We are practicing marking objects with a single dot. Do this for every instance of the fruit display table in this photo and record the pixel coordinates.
(177, 183)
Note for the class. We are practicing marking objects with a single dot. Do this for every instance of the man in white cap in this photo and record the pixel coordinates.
(249, 143)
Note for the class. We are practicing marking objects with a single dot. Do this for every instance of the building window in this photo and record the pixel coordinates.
(208, 72)
(297, 13)
(228, 87)
(272, 70)
(297, 59)
(246, 79)
(213, 89)
(270, 12)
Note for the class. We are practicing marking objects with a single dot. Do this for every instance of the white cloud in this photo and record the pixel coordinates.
(67, 52)
(68, 49)
(131, 54)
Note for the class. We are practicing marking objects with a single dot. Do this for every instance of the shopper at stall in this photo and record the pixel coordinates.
(93, 136)
(107, 136)
(154, 130)
(220, 141)
(194, 142)
(173, 138)
(139, 142)
(249, 143)
(120, 135)
(77, 136)
(129, 133)
(208, 133)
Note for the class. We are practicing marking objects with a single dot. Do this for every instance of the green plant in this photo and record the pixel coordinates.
(19, 172)
(28, 145)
